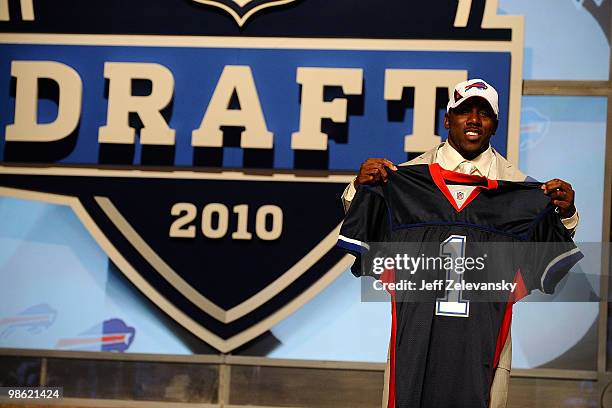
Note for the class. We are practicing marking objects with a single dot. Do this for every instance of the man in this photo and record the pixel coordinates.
(471, 120)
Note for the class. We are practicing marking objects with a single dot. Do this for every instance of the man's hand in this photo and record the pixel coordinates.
(372, 171)
(562, 196)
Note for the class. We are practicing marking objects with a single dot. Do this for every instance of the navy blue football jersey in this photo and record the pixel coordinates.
(445, 346)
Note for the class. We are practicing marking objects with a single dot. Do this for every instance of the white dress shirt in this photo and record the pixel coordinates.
(482, 165)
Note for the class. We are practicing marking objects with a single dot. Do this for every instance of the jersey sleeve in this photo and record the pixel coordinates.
(550, 253)
(366, 221)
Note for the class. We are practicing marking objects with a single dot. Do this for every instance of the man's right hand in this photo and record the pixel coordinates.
(372, 171)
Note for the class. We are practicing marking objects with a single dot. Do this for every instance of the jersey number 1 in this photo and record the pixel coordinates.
(452, 304)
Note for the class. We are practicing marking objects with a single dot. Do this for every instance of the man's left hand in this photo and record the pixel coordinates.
(562, 196)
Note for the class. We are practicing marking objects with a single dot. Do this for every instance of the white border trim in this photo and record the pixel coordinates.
(354, 241)
(290, 43)
(552, 263)
(490, 19)
(295, 176)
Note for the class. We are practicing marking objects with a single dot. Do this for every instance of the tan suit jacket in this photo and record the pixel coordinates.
(499, 388)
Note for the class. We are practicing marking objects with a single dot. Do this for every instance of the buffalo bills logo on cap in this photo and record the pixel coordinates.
(473, 87)
(477, 85)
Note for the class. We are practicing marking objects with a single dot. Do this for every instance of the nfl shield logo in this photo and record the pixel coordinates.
(460, 195)
(241, 10)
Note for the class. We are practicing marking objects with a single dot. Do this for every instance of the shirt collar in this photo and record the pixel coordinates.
(450, 159)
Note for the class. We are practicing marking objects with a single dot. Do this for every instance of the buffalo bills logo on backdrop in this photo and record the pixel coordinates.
(34, 320)
(207, 157)
(110, 335)
(534, 128)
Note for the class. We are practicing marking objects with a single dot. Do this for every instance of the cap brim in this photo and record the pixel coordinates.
(453, 106)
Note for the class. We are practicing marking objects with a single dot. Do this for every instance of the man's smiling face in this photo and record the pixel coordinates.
(470, 126)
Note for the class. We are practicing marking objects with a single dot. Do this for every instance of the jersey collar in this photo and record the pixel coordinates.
(440, 175)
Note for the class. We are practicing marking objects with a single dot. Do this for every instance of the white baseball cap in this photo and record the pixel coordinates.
(473, 87)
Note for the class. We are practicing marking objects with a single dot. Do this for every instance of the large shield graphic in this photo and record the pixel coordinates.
(208, 160)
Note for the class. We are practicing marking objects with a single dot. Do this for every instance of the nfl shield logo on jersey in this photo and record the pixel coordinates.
(241, 10)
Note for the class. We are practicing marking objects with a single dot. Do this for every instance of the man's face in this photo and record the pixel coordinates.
(470, 127)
